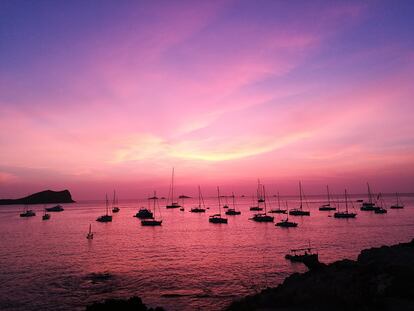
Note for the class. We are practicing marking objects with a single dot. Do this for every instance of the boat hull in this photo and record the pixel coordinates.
(105, 218)
(151, 222)
(327, 208)
(218, 220)
(287, 224)
(263, 218)
(255, 208)
(278, 211)
(299, 213)
(345, 215)
(197, 210)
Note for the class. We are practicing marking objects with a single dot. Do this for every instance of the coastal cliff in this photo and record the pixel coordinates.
(43, 197)
(380, 279)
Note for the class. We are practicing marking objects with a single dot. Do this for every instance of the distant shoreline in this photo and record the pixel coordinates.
(43, 197)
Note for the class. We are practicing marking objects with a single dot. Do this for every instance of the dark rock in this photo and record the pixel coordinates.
(381, 279)
(43, 197)
(132, 304)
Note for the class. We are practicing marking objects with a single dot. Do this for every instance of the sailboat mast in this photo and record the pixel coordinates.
(369, 194)
(278, 199)
(172, 186)
(264, 198)
(346, 202)
(155, 196)
(329, 196)
(106, 203)
(300, 193)
(113, 199)
(199, 197)
(219, 204)
(234, 202)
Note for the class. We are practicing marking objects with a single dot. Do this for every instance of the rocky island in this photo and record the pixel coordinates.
(380, 279)
(43, 197)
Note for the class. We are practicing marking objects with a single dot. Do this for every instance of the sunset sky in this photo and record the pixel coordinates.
(102, 95)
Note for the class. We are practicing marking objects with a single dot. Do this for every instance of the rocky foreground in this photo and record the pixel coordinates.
(380, 279)
(131, 304)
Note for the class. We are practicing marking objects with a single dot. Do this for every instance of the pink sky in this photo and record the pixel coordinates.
(226, 92)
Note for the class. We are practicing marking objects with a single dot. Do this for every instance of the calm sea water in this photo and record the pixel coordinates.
(187, 264)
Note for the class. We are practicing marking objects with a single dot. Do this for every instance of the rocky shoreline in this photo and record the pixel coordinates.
(380, 279)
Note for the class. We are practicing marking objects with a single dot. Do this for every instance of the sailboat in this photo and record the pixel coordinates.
(345, 214)
(172, 204)
(106, 217)
(227, 203)
(327, 206)
(182, 197)
(255, 206)
(299, 211)
(370, 205)
(278, 210)
(380, 209)
(45, 216)
(152, 221)
(115, 208)
(286, 223)
(216, 218)
(27, 212)
(89, 236)
(201, 206)
(399, 204)
(145, 213)
(260, 195)
(263, 217)
(233, 211)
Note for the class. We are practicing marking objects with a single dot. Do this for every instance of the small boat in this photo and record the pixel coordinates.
(360, 200)
(144, 213)
(233, 211)
(89, 236)
(327, 206)
(216, 218)
(45, 216)
(151, 222)
(172, 204)
(286, 223)
(299, 211)
(381, 208)
(399, 204)
(278, 210)
(115, 208)
(370, 205)
(27, 212)
(302, 255)
(57, 208)
(106, 217)
(346, 213)
(201, 206)
(263, 217)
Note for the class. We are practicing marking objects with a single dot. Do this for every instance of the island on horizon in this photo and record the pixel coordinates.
(42, 197)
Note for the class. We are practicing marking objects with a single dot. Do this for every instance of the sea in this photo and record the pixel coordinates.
(185, 264)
